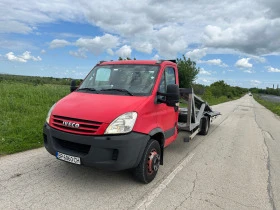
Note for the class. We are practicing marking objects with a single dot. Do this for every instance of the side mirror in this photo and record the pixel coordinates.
(73, 86)
(172, 95)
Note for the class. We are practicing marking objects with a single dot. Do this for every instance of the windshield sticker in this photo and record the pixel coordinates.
(103, 74)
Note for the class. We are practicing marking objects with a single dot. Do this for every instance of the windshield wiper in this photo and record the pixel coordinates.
(118, 89)
(90, 89)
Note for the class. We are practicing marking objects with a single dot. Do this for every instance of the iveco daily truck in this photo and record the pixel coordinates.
(122, 116)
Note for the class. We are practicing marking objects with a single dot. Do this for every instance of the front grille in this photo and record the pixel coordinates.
(86, 127)
(81, 148)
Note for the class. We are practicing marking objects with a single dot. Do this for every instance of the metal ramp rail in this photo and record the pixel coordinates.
(190, 117)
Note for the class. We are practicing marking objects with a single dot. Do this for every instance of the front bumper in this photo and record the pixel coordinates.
(111, 152)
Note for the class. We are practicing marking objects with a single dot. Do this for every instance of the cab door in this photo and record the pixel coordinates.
(167, 116)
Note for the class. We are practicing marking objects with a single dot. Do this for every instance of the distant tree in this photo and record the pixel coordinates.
(120, 58)
(198, 89)
(219, 88)
(187, 71)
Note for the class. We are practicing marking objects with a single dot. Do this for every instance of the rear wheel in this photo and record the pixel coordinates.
(148, 167)
(204, 125)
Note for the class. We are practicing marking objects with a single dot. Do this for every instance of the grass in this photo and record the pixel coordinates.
(214, 100)
(272, 106)
(23, 110)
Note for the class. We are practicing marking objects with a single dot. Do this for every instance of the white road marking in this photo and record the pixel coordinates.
(143, 204)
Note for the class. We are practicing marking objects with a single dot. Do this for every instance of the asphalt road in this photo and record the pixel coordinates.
(236, 166)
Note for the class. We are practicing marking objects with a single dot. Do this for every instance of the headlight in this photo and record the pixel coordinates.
(49, 114)
(123, 124)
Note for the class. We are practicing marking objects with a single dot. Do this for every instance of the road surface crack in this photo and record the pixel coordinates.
(211, 202)
(234, 201)
(190, 193)
(268, 166)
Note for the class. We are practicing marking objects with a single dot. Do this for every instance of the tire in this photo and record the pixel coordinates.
(204, 125)
(148, 167)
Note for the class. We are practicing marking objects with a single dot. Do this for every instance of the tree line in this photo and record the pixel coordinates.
(269, 91)
(35, 80)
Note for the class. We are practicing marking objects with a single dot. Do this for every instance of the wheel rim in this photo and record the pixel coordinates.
(153, 162)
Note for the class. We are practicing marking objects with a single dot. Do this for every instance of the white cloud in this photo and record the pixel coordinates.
(196, 54)
(14, 26)
(27, 56)
(169, 41)
(271, 69)
(56, 43)
(80, 53)
(43, 51)
(203, 71)
(255, 82)
(243, 63)
(258, 59)
(156, 57)
(249, 71)
(11, 57)
(15, 45)
(217, 62)
(205, 81)
(22, 58)
(250, 35)
(254, 31)
(124, 51)
(110, 51)
(145, 47)
(98, 44)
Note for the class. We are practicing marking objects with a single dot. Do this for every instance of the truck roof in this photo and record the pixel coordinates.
(143, 62)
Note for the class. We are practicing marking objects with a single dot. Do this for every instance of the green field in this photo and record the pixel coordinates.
(23, 110)
(272, 106)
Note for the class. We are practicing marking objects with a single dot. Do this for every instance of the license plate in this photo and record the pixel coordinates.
(68, 158)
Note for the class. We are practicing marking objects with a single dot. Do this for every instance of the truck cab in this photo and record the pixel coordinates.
(122, 116)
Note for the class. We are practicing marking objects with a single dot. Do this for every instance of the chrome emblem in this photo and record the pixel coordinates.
(70, 124)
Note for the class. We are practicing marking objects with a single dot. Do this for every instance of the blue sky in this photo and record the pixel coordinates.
(238, 43)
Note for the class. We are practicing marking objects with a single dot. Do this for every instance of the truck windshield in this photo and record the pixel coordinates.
(121, 79)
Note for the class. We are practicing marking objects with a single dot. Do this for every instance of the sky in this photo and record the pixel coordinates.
(235, 41)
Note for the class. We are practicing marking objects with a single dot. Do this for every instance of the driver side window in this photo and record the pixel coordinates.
(167, 78)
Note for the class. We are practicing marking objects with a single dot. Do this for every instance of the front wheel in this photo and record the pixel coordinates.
(148, 167)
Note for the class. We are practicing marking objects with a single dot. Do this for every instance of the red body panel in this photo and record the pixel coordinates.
(97, 107)
(167, 117)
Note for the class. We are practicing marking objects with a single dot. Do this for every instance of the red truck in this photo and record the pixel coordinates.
(122, 116)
